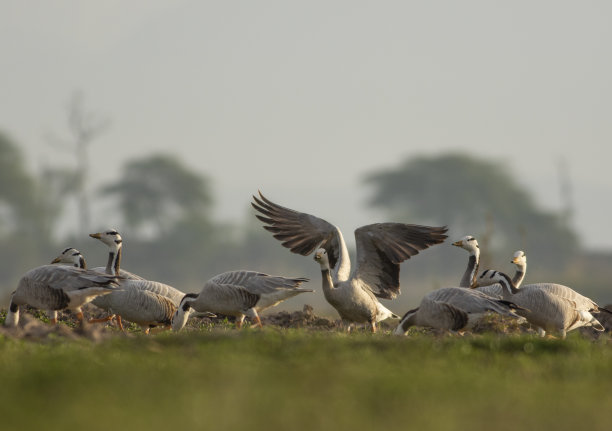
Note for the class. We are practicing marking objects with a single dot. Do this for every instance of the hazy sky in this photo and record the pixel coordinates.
(302, 99)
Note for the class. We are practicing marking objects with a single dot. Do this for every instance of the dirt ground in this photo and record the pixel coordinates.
(32, 325)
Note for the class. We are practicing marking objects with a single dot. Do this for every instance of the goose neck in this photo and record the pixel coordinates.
(508, 285)
(114, 261)
(471, 272)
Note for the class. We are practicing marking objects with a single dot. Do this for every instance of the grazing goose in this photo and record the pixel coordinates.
(470, 244)
(544, 309)
(54, 287)
(240, 294)
(454, 309)
(146, 309)
(381, 247)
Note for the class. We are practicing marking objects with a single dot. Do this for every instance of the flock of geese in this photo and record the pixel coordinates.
(352, 290)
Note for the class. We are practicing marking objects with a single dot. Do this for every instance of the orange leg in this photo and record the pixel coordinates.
(119, 323)
(373, 327)
(104, 319)
(257, 321)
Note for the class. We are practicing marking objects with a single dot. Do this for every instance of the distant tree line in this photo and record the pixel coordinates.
(165, 212)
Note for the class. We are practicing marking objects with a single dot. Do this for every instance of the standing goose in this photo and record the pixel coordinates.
(240, 294)
(115, 244)
(470, 244)
(545, 310)
(583, 303)
(454, 309)
(146, 309)
(381, 247)
(54, 287)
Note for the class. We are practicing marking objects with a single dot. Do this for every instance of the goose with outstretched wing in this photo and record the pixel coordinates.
(381, 247)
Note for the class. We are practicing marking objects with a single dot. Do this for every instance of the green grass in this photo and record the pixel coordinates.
(306, 380)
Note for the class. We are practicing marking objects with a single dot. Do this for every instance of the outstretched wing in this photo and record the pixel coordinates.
(300, 232)
(381, 247)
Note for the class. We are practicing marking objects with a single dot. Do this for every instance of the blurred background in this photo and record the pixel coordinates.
(163, 118)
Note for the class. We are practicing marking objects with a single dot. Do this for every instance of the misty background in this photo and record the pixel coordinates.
(162, 118)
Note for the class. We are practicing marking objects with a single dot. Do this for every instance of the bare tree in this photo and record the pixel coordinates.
(84, 126)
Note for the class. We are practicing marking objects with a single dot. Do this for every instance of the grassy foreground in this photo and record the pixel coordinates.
(305, 380)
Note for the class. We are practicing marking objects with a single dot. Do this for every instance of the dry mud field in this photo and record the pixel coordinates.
(33, 326)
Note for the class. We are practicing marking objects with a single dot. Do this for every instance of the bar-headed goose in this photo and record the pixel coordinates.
(145, 308)
(56, 287)
(544, 309)
(454, 309)
(239, 294)
(470, 244)
(114, 242)
(381, 247)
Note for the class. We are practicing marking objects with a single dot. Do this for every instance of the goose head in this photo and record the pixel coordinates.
(109, 237)
(519, 259)
(468, 243)
(72, 257)
(322, 257)
(179, 320)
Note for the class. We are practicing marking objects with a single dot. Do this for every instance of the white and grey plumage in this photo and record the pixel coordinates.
(544, 309)
(585, 305)
(56, 287)
(470, 244)
(381, 247)
(115, 244)
(145, 308)
(240, 294)
(454, 309)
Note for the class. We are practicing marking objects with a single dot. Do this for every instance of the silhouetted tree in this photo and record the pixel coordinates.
(84, 127)
(24, 239)
(158, 191)
(466, 193)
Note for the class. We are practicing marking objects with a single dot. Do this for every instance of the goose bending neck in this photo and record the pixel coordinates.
(506, 283)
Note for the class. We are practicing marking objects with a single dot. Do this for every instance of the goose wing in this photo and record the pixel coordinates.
(441, 315)
(381, 247)
(259, 283)
(156, 287)
(301, 233)
(122, 272)
(142, 306)
(582, 302)
(67, 278)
